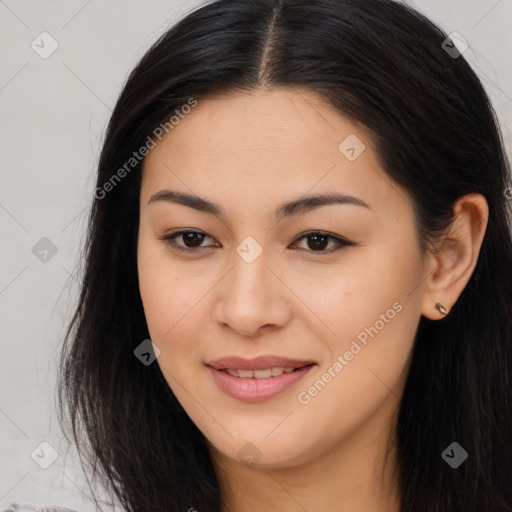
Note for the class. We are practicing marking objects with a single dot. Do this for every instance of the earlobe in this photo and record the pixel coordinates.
(441, 308)
(455, 258)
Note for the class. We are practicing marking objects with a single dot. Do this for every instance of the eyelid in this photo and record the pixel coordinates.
(169, 240)
(339, 241)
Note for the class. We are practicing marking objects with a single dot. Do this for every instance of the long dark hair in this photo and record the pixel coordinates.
(376, 61)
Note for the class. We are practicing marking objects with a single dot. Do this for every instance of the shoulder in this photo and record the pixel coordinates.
(25, 507)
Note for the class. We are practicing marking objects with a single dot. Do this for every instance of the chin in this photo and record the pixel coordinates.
(261, 453)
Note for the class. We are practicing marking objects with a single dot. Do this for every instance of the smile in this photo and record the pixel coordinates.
(257, 385)
(260, 374)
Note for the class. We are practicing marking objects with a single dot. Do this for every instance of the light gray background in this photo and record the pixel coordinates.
(53, 115)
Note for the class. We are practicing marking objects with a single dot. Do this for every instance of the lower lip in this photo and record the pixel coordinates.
(250, 389)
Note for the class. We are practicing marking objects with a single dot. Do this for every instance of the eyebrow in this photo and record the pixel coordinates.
(287, 209)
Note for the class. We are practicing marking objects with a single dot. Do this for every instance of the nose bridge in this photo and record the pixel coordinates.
(248, 281)
(249, 297)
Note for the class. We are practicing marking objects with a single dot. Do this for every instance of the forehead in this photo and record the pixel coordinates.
(269, 144)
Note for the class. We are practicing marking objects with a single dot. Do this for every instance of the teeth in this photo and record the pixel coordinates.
(275, 371)
(263, 374)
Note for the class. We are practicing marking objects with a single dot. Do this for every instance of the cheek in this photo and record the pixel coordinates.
(168, 303)
(159, 287)
(173, 326)
(369, 318)
(175, 314)
(362, 294)
(360, 377)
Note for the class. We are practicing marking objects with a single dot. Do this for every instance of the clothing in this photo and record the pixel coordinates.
(26, 507)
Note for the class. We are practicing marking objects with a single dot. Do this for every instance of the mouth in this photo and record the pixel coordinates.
(266, 373)
(267, 362)
(258, 379)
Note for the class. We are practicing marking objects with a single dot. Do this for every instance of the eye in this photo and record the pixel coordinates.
(192, 240)
(318, 241)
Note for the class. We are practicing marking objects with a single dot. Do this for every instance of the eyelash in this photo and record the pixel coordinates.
(340, 242)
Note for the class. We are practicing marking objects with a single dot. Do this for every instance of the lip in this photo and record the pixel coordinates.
(258, 363)
(251, 389)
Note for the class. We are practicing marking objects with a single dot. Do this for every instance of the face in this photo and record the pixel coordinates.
(332, 287)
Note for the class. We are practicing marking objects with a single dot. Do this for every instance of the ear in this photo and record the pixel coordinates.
(451, 264)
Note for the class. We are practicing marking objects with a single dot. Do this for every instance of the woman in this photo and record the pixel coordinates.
(297, 290)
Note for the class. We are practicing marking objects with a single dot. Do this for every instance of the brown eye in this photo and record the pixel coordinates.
(191, 240)
(319, 242)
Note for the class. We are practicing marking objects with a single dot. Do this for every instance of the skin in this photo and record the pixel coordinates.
(265, 148)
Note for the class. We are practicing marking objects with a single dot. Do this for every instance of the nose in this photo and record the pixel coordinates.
(252, 298)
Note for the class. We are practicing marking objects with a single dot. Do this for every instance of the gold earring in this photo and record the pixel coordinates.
(441, 308)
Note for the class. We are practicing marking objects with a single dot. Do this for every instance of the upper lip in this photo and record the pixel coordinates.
(258, 363)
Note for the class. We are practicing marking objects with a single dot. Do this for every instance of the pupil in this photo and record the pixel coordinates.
(316, 244)
(189, 238)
